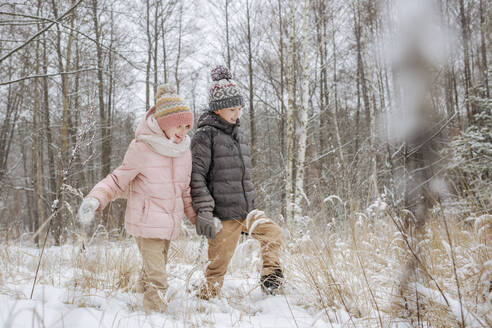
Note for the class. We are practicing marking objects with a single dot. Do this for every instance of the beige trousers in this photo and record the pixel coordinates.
(154, 278)
(221, 249)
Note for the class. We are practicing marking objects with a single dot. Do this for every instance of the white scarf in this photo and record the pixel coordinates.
(164, 146)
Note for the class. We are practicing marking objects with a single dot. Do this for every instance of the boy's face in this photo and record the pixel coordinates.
(230, 114)
(177, 133)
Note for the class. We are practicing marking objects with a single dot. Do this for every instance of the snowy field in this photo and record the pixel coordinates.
(341, 275)
(70, 294)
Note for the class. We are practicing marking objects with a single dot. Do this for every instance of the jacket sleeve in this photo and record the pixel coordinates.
(188, 206)
(117, 182)
(201, 150)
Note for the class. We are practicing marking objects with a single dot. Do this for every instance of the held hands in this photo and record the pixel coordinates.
(207, 225)
(87, 210)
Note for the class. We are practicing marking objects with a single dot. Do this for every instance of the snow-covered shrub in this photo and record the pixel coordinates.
(471, 154)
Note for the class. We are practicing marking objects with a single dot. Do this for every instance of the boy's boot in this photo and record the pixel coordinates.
(271, 283)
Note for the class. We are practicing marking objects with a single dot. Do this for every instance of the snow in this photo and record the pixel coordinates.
(377, 207)
(331, 198)
(454, 305)
(254, 214)
(52, 307)
(64, 304)
(334, 278)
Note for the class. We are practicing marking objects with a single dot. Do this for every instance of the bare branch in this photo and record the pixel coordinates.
(40, 32)
(73, 30)
(46, 75)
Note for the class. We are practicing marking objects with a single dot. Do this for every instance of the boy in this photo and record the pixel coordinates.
(221, 186)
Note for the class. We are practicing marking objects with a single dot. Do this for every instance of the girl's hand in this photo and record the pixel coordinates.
(87, 210)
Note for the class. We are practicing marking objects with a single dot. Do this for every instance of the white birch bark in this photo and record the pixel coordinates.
(303, 117)
(289, 176)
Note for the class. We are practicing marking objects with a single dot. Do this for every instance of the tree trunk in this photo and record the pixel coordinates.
(360, 64)
(303, 117)
(178, 55)
(252, 121)
(466, 59)
(227, 31)
(373, 150)
(373, 23)
(47, 129)
(483, 48)
(282, 103)
(164, 53)
(37, 164)
(156, 46)
(320, 17)
(336, 112)
(71, 128)
(105, 142)
(78, 168)
(64, 133)
(289, 185)
(149, 57)
(30, 201)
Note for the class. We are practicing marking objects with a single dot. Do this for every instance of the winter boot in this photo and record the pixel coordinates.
(271, 283)
(207, 292)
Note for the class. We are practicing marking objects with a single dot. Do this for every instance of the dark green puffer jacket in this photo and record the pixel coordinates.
(220, 179)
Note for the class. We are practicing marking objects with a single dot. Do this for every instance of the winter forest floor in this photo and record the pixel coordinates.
(338, 274)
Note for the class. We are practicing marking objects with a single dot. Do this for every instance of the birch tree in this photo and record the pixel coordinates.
(289, 176)
(252, 121)
(38, 194)
(149, 55)
(64, 130)
(465, 34)
(179, 41)
(303, 116)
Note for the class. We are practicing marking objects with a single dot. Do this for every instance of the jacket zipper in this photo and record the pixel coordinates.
(174, 199)
(244, 171)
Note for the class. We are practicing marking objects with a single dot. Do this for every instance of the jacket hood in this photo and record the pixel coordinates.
(212, 119)
(148, 125)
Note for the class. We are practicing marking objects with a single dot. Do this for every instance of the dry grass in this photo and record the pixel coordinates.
(368, 271)
(347, 273)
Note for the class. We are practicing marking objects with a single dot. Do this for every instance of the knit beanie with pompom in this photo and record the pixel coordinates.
(224, 92)
(170, 108)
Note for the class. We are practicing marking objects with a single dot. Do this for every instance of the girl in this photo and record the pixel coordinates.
(155, 175)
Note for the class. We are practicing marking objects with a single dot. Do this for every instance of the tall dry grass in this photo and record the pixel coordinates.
(376, 272)
(358, 271)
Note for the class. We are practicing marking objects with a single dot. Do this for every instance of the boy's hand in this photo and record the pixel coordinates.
(87, 210)
(205, 225)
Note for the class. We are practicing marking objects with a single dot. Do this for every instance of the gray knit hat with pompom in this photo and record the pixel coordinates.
(224, 92)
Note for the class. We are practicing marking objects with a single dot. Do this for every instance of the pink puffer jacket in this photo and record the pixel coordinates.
(157, 187)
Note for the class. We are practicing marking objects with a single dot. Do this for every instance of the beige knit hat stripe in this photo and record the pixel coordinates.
(170, 98)
(171, 110)
(168, 104)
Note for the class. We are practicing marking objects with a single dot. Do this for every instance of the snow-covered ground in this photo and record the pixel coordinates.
(52, 307)
(65, 298)
(344, 274)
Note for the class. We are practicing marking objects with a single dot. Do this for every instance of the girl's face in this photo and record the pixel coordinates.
(177, 133)
(230, 114)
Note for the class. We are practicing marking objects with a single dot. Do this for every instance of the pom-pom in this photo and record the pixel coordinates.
(221, 73)
(165, 89)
